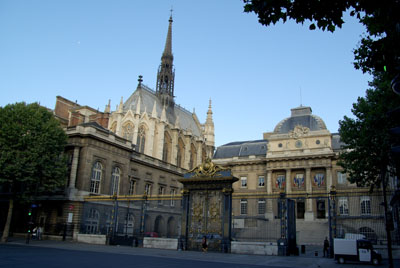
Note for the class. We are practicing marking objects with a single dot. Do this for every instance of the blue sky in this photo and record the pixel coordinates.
(92, 51)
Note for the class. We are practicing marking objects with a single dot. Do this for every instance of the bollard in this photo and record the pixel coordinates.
(64, 232)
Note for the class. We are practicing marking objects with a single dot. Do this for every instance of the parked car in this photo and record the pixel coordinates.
(151, 234)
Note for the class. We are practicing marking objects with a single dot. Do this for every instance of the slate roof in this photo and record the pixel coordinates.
(242, 149)
(147, 99)
(300, 116)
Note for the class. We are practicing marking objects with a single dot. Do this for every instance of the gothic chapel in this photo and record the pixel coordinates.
(157, 126)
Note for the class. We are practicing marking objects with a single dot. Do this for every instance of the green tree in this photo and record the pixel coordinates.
(367, 154)
(379, 49)
(367, 138)
(31, 154)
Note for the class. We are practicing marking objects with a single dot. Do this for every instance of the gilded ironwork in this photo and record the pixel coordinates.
(197, 212)
(215, 214)
(207, 169)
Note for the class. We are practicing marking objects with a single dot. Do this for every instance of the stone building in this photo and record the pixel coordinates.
(298, 159)
(160, 128)
(133, 155)
(103, 168)
(105, 165)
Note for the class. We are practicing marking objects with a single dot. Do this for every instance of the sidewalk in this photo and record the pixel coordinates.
(304, 260)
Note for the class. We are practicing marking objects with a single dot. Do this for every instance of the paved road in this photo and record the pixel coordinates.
(24, 256)
(75, 255)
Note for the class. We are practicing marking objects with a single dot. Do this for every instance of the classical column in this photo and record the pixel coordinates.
(74, 168)
(288, 180)
(269, 182)
(328, 178)
(328, 186)
(309, 214)
(270, 212)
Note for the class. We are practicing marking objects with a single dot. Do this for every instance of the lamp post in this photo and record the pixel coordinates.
(332, 219)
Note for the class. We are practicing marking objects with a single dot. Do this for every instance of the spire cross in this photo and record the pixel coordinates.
(171, 10)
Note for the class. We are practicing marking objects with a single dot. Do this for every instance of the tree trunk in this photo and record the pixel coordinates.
(385, 205)
(6, 230)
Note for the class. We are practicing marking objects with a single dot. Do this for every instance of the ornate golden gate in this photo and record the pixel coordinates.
(207, 207)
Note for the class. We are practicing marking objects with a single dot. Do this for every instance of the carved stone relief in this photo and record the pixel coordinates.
(299, 131)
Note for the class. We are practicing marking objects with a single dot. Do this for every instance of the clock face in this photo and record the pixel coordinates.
(298, 144)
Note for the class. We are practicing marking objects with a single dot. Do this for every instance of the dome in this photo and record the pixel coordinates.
(301, 116)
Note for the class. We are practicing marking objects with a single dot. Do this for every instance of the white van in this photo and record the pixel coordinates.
(359, 250)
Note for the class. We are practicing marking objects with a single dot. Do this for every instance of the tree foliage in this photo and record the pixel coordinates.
(366, 137)
(31, 147)
(378, 48)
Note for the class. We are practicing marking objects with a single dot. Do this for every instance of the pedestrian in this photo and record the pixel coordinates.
(204, 244)
(326, 247)
(39, 233)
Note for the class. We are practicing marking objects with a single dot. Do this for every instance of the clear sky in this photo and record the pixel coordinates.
(93, 50)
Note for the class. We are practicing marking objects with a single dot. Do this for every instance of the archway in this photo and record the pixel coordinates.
(171, 227)
(159, 226)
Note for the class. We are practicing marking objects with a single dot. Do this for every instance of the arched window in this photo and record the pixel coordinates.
(369, 233)
(127, 131)
(181, 153)
(167, 147)
(96, 178)
(141, 140)
(115, 175)
(193, 156)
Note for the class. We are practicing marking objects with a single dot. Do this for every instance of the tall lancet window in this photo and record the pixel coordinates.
(181, 153)
(127, 131)
(167, 147)
(141, 140)
(193, 156)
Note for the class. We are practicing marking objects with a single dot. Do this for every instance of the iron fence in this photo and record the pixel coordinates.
(132, 216)
(255, 217)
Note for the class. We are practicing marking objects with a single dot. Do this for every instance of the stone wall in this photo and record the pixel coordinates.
(163, 243)
(257, 248)
(92, 239)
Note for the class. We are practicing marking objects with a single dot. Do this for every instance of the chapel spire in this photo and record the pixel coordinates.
(168, 43)
(166, 72)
